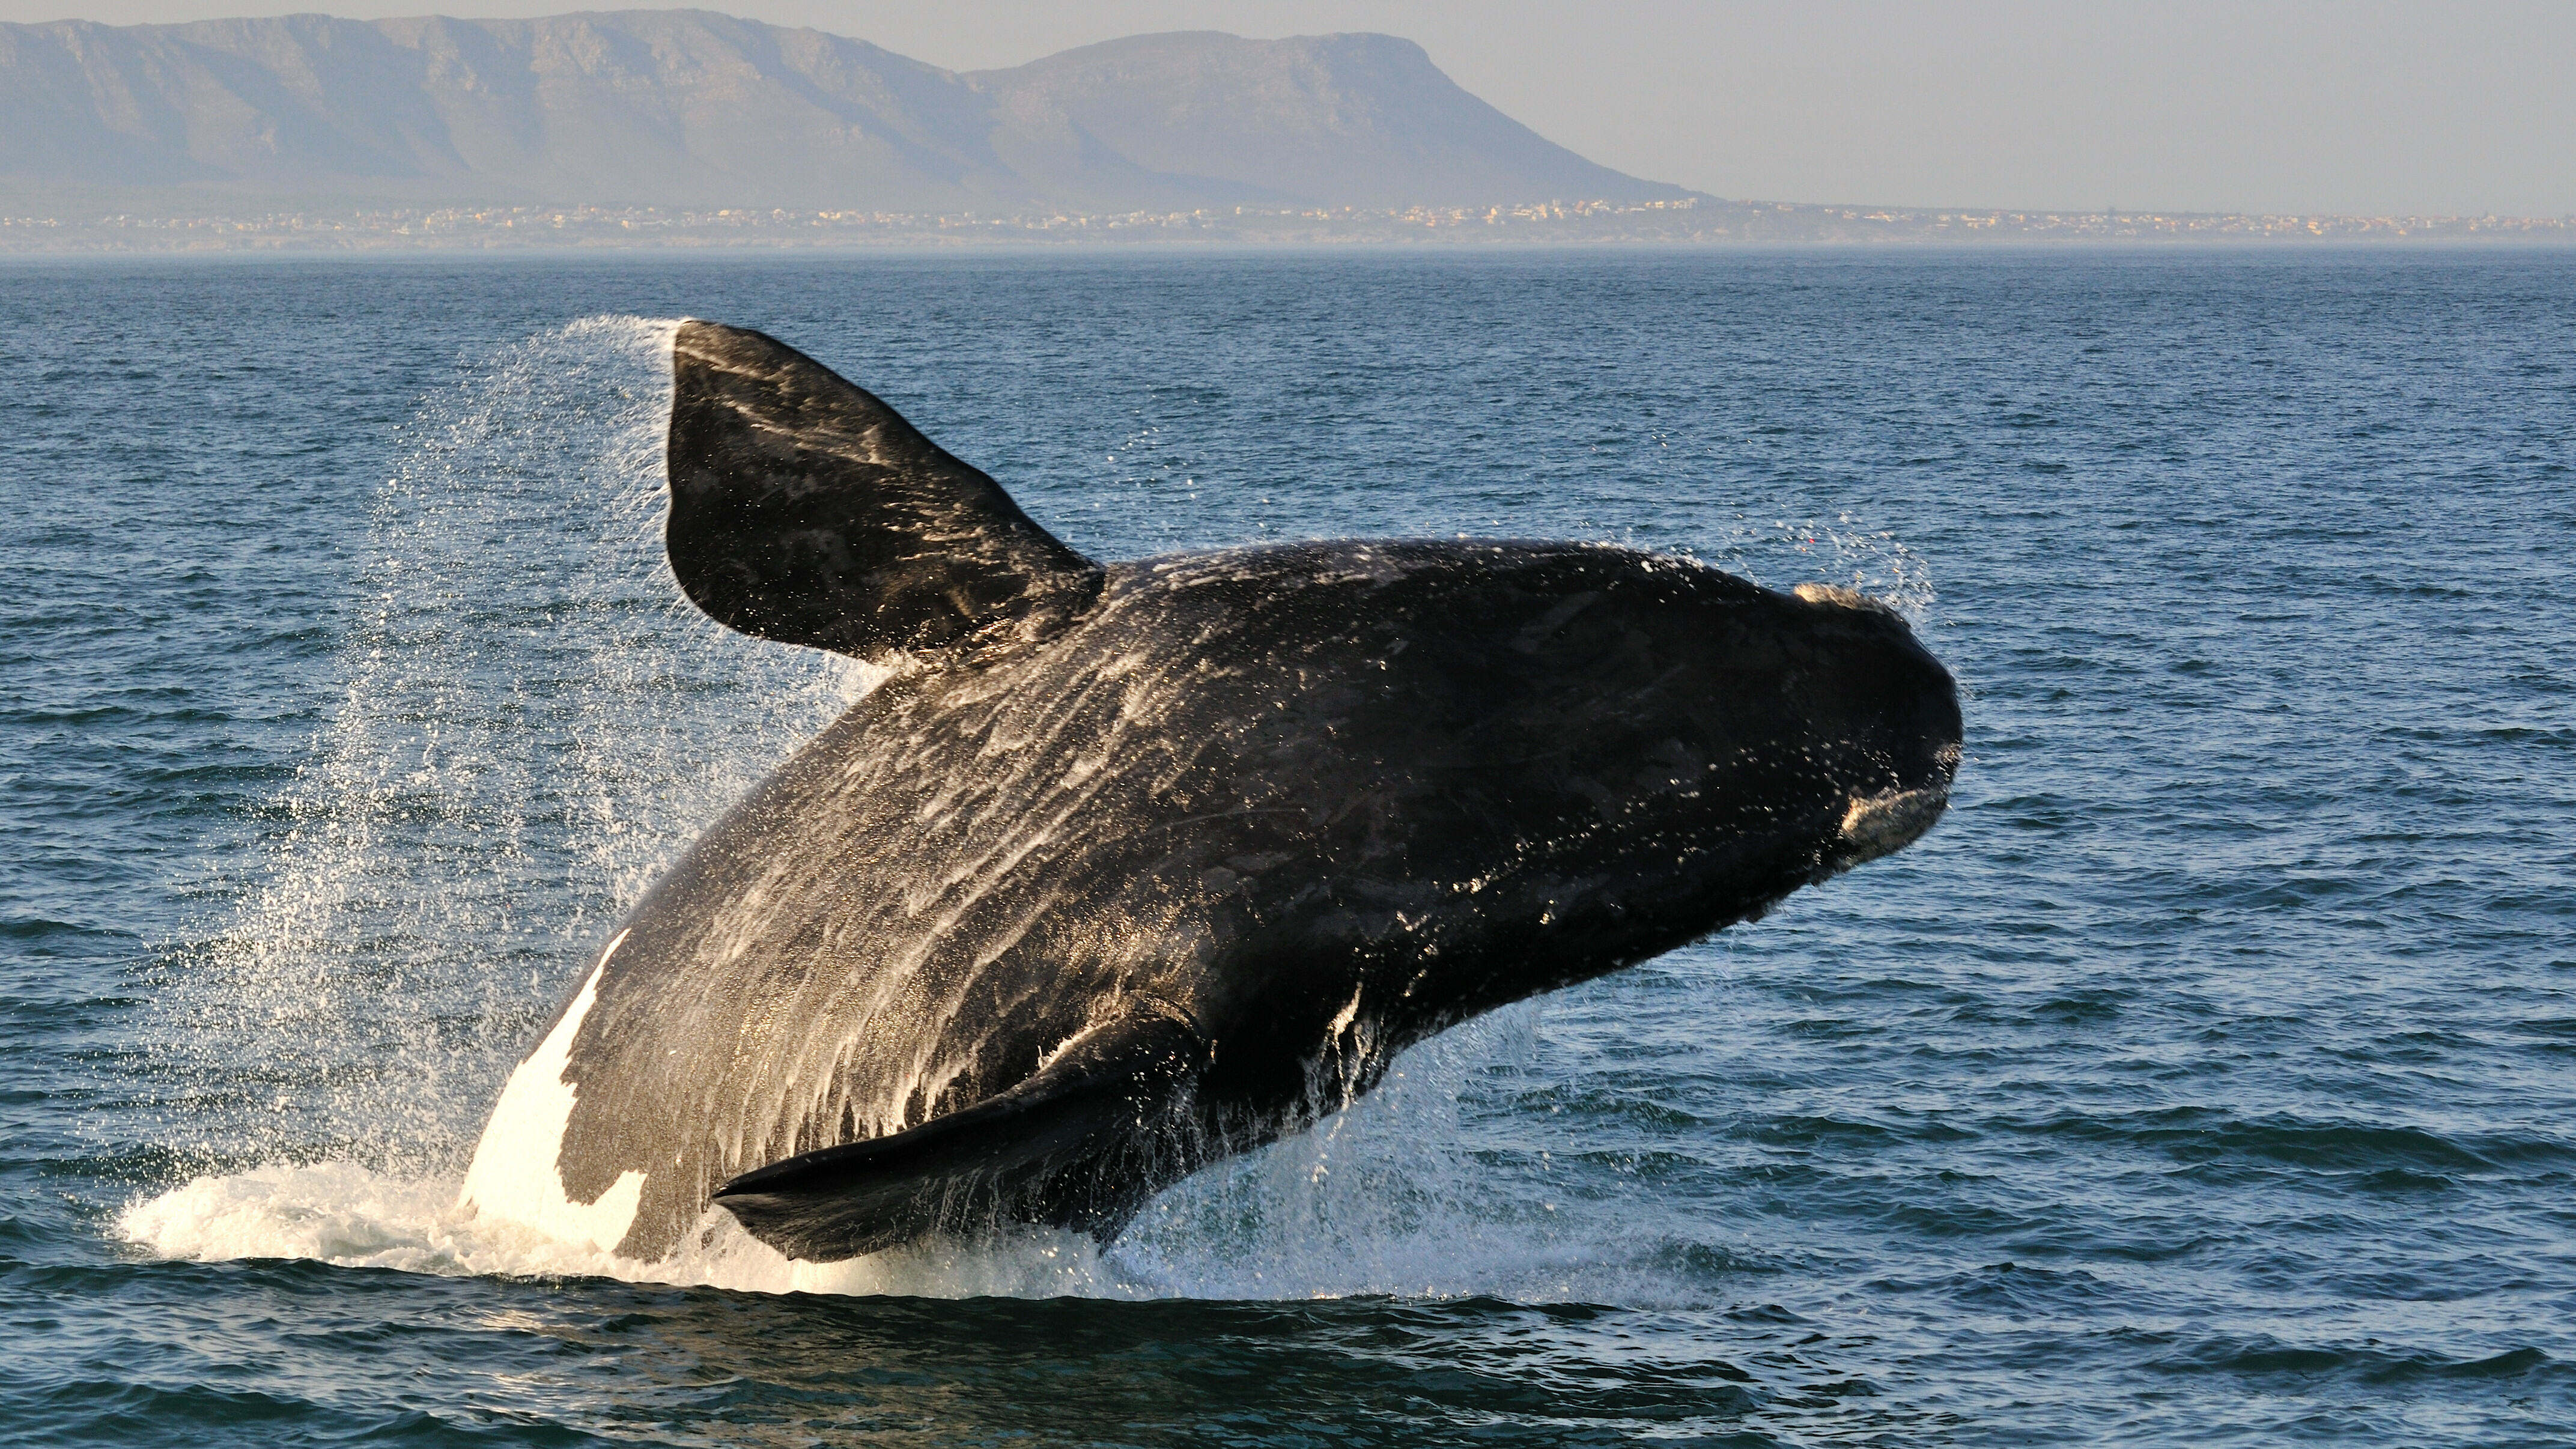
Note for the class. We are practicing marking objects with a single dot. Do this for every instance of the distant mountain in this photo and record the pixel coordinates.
(692, 108)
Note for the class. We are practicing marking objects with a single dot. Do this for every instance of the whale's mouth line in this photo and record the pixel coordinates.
(1886, 823)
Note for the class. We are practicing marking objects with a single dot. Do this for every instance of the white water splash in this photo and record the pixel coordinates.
(1387, 1197)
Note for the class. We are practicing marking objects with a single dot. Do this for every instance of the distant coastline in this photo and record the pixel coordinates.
(1691, 221)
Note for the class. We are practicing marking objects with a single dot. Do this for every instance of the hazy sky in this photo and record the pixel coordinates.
(2295, 106)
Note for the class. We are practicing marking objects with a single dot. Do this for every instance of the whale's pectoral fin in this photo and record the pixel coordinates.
(1082, 1144)
(804, 509)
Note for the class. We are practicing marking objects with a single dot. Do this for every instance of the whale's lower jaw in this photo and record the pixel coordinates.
(1884, 824)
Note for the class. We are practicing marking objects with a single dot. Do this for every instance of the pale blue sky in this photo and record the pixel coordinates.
(2291, 106)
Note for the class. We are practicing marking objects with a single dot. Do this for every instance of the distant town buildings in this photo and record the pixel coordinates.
(1685, 221)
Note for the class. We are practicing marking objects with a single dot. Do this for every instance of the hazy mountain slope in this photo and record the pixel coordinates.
(695, 108)
(675, 107)
(1360, 120)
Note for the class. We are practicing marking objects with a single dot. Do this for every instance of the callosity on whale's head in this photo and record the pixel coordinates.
(1132, 866)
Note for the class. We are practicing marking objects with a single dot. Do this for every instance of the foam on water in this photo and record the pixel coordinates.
(352, 1216)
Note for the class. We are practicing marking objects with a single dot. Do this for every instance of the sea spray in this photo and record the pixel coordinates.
(1843, 551)
(531, 720)
(1159, 488)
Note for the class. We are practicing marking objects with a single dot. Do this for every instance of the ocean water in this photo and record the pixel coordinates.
(2208, 1075)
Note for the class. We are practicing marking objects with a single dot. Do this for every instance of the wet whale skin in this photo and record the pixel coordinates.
(1130, 867)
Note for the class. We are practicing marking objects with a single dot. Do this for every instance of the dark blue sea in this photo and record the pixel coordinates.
(2207, 1076)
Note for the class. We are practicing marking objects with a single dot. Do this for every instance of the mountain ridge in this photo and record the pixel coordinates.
(697, 108)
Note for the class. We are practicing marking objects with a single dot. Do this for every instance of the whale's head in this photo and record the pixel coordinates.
(1531, 762)
(1895, 710)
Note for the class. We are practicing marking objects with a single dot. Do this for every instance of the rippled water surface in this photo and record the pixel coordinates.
(2208, 1075)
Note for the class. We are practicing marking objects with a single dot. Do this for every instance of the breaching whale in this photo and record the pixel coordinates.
(1128, 867)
